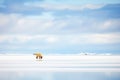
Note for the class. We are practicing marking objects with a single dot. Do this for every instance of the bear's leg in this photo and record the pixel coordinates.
(36, 57)
(41, 57)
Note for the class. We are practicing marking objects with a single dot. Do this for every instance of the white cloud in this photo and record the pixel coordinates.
(96, 25)
(67, 39)
(56, 6)
(110, 24)
(16, 23)
(51, 39)
(104, 38)
(14, 38)
(47, 23)
(94, 38)
(4, 20)
(93, 6)
(7, 21)
(27, 38)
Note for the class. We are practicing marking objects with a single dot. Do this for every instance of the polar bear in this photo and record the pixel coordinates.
(38, 55)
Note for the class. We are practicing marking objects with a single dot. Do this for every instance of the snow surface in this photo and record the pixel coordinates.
(60, 63)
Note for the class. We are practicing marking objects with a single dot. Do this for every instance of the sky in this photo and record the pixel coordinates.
(59, 26)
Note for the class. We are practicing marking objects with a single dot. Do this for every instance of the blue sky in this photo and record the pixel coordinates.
(59, 26)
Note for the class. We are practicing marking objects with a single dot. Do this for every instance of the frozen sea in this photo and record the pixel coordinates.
(59, 67)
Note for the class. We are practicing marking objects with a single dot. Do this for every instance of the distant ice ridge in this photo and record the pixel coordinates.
(82, 53)
(65, 54)
(85, 53)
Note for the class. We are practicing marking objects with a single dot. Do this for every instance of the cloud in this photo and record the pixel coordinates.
(94, 39)
(34, 24)
(14, 38)
(51, 39)
(28, 38)
(16, 23)
(66, 39)
(7, 22)
(55, 6)
(111, 24)
(101, 26)
(59, 26)
(48, 23)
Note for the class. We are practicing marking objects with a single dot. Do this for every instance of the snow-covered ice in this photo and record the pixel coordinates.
(60, 63)
(59, 67)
